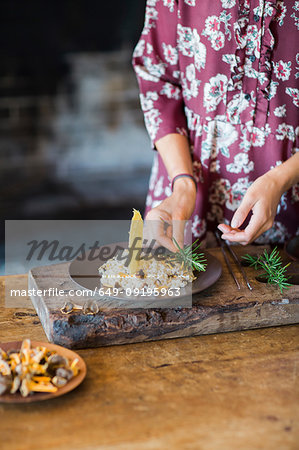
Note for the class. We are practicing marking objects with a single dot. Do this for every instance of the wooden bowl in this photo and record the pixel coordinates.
(38, 396)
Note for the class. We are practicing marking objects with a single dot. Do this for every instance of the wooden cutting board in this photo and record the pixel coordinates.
(220, 308)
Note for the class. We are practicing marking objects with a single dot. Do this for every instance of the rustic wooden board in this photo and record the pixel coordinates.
(220, 308)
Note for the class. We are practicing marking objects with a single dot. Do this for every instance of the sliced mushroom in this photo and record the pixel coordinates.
(74, 368)
(59, 381)
(64, 373)
(15, 385)
(91, 307)
(4, 367)
(25, 388)
(3, 354)
(57, 360)
(5, 384)
(67, 308)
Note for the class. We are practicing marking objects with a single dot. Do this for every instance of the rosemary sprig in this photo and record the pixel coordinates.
(189, 257)
(272, 266)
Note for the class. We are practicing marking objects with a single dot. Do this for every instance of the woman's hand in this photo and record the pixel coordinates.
(167, 220)
(262, 199)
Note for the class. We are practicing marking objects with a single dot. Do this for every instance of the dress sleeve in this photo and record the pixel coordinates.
(156, 64)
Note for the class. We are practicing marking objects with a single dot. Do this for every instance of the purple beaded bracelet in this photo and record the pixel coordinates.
(183, 175)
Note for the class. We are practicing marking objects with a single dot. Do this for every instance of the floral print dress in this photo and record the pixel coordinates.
(224, 73)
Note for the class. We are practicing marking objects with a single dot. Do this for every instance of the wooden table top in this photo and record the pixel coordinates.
(231, 391)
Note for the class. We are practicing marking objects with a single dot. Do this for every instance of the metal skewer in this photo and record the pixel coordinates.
(220, 242)
(238, 264)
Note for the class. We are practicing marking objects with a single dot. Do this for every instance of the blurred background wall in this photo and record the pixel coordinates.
(72, 142)
(72, 139)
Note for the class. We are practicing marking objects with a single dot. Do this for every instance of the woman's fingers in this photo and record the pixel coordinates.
(173, 230)
(158, 228)
(167, 221)
(178, 229)
(257, 225)
(249, 203)
(227, 228)
(243, 210)
(155, 236)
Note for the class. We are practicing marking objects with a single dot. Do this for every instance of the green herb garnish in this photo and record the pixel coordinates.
(274, 271)
(189, 257)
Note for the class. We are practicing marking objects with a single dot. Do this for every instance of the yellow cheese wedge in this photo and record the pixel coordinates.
(136, 231)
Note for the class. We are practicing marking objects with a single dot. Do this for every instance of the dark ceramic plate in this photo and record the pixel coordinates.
(85, 273)
(38, 396)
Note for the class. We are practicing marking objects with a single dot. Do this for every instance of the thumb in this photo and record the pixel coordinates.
(178, 227)
(242, 212)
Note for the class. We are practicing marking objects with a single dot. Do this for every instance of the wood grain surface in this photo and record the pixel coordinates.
(220, 308)
(230, 391)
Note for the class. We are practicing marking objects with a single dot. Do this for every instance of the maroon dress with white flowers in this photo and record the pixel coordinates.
(225, 73)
